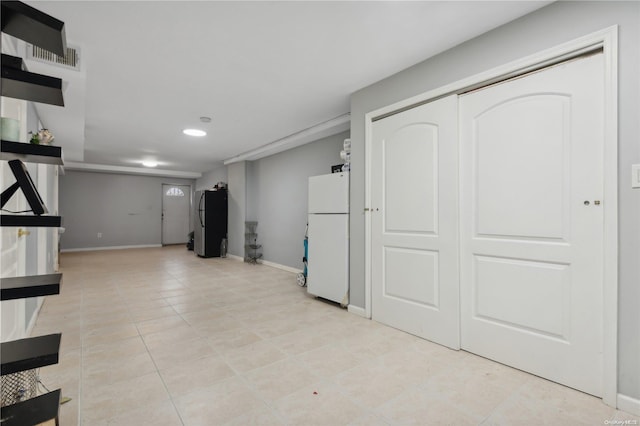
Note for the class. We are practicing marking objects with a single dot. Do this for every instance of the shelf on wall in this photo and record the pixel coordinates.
(29, 353)
(29, 286)
(29, 220)
(21, 84)
(32, 411)
(33, 26)
(31, 153)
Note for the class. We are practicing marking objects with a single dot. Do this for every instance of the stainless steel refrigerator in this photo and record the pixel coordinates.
(210, 224)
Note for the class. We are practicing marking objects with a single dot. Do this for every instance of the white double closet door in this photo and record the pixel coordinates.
(487, 222)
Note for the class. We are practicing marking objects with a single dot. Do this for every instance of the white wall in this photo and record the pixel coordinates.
(237, 176)
(210, 178)
(545, 28)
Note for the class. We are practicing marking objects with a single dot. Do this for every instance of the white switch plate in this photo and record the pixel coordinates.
(635, 175)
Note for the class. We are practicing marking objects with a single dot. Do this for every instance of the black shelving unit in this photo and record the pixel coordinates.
(29, 286)
(32, 153)
(22, 84)
(33, 26)
(32, 352)
(27, 220)
(32, 411)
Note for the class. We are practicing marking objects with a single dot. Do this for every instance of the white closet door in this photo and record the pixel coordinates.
(532, 223)
(414, 222)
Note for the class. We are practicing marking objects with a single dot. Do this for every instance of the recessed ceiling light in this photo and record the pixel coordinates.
(149, 163)
(205, 119)
(194, 132)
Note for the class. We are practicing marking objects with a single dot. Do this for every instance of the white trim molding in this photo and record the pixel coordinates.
(110, 248)
(104, 168)
(268, 263)
(310, 134)
(607, 40)
(628, 404)
(356, 310)
(282, 267)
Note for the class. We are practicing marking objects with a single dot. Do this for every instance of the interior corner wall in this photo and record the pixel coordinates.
(211, 178)
(277, 190)
(237, 188)
(545, 28)
(125, 209)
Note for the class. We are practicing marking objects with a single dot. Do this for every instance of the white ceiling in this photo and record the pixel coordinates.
(261, 70)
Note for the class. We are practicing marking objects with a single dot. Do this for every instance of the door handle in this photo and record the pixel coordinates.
(23, 232)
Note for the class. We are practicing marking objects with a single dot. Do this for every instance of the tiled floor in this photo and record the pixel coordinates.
(161, 337)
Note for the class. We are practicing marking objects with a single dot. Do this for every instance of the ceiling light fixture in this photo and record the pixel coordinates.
(149, 163)
(194, 132)
(205, 119)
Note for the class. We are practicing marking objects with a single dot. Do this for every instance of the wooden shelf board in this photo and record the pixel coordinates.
(32, 411)
(30, 220)
(27, 152)
(20, 84)
(33, 26)
(29, 353)
(29, 286)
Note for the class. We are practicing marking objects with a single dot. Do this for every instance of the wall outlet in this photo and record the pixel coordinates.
(635, 175)
(99, 234)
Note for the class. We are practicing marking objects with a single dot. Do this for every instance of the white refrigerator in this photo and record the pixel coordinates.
(328, 252)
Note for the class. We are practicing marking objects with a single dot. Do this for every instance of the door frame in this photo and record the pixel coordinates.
(191, 192)
(607, 41)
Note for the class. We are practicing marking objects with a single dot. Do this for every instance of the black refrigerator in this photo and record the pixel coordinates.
(210, 224)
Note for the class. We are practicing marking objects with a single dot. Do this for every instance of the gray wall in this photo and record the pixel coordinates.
(237, 176)
(278, 188)
(542, 29)
(210, 178)
(126, 209)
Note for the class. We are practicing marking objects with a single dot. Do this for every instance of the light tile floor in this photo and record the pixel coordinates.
(162, 337)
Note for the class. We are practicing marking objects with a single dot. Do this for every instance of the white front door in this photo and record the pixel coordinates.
(13, 249)
(414, 221)
(532, 222)
(13, 261)
(176, 212)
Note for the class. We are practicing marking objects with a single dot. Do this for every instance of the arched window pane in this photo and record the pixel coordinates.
(175, 192)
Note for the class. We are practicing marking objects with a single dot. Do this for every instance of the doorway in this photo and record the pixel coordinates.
(176, 213)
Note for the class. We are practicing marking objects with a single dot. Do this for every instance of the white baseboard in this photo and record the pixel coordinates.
(111, 248)
(267, 263)
(279, 266)
(357, 311)
(628, 404)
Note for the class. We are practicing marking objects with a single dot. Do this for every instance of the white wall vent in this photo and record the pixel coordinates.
(70, 60)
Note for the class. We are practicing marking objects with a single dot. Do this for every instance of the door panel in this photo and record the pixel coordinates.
(531, 248)
(412, 155)
(411, 276)
(530, 287)
(176, 206)
(13, 248)
(414, 216)
(537, 162)
(13, 261)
